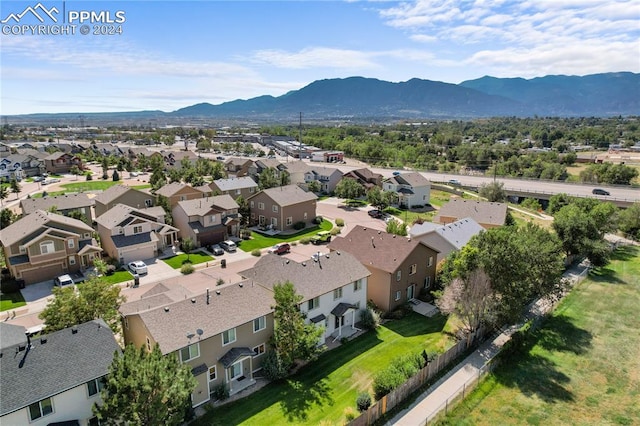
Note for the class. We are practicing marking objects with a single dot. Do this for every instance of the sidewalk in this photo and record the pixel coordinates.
(441, 393)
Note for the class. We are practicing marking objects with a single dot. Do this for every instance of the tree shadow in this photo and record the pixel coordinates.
(605, 275)
(561, 335)
(624, 253)
(299, 397)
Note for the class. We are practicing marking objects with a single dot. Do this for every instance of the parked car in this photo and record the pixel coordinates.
(280, 248)
(228, 246)
(454, 182)
(375, 213)
(600, 191)
(63, 280)
(321, 237)
(38, 178)
(220, 158)
(216, 250)
(138, 267)
(396, 173)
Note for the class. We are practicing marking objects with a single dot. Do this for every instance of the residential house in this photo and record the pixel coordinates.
(20, 166)
(56, 378)
(35, 153)
(237, 167)
(107, 149)
(62, 162)
(400, 267)
(487, 214)
(413, 189)
(121, 194)
(235, 187)
(446, 238)
(43, 245)
(207, 220)
(333, 287)
(222, 335)
(64, 204)
(134, 153)
(176, 191)
(175, 158)
(297, 171)
(282, 207)
(129, 234)
(327, 177)
(365, 177)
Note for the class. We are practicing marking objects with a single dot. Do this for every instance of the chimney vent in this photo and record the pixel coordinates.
(193, 300)
(207, 295)
(218, 292)
(74, 330)
(166, 309)
(43, 340)
(241, 285)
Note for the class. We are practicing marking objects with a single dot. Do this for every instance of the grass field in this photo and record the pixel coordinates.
(196, 257)
(259, 241)
(321, 391)
(11, 301)
(89, 185)
(583, 366)
(117, 277)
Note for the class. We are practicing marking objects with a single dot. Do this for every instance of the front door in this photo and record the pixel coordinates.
(410, 291)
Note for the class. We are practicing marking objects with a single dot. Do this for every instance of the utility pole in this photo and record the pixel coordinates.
(300, 137)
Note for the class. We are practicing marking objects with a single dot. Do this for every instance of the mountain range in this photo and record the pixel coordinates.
(360, 99)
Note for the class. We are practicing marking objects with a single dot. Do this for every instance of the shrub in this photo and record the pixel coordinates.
(344, 340)
(317, 220)
(335, 231)
(408, 364)
(363, 401)
(220, 281)
(255, 252)
(273, 368)
(350, 413)
(305, 240)
(340, 222)
(370, 318)
(187, 268)
(220, 392)
(115, 176)
(110, 269)
(88, 176)
(386, 381)
(299, 225)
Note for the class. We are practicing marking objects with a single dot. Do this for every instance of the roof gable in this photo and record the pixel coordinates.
(287, 195)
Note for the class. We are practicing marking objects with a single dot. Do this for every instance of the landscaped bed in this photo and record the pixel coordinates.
(196, 257)
(322, 391)
(259, 241)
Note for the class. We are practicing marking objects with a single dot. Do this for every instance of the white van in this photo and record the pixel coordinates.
(63, 280)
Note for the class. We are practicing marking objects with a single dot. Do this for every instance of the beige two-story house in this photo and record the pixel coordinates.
(235, 187)
(43, 245)
(207, 220)
(121, 194)
(412, 188)
(281, 207)
(66, 205)
(176, 192)
(62, 162)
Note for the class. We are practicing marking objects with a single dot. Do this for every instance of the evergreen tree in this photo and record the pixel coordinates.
(146, 388)
(15, 187)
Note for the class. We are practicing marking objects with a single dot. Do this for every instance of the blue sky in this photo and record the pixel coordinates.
(173, 54)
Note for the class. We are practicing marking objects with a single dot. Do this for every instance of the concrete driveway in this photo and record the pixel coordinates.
(158, 271)
(334, 208)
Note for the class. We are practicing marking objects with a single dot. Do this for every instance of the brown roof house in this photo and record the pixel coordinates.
(487, 214)
(43, 245)
(238, 167)
(121, 194)
(281, 207)
(365, 177)
(235, 187)
(413, 189)
(64, 204)
(221, 334)
(207, 220)
(129, 234)
(333, 287)
(327, 177)
(177, 191)
(400, 267)
(62, 162)
(446, 238)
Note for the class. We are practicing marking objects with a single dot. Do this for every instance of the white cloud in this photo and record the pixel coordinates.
(315, 57)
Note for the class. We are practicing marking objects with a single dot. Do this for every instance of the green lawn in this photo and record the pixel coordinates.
(321, 391)
(11, 301)
(259, 241)
(581, 368)
(117, 277)
(141, 186)
(196, 257)
(49, 194)
(89, 185)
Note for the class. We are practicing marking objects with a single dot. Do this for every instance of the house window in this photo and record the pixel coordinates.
(137, 229)
(251, 204)
(430, 263)
(259, 350)
(87, 235)
(313, 303)
(228, 336)
(183, 197)
(70, 243)
(274, 208)
(94, 386)
(238, 192)
(236, 370)
(148, 202)
(305, 215)
(72, 260)
(47, 247)
(398, 275)
(427, 282)
(412, 269)
(337, 293)
(126, 323)
(212, 219)
(40, 409)
(251, 191)
(357, 285)
(289, 220)
(23, 249)
(259, 324)
(212, 373)
(398, 295)
(190, 352)
(148, 344)
(260, 206)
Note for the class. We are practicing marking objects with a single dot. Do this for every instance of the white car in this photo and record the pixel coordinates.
(138, 267)
(229, 246)
(63, 280)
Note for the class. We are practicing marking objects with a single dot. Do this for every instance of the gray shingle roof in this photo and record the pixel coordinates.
(235, 183)
(118, 214)
(234, 354)
(55, 363)
(116, 191)
(202, 206)
(480, 211)
(288, 195)
(457, 233)
(132, 240)
(62, 202)
(311, 279)
(412, 179)
(173, 188)
(12, 335)
(36, 221)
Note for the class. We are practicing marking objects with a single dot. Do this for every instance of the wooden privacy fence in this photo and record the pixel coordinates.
(395, 397)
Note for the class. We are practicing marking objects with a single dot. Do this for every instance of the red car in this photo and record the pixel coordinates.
(280, 248)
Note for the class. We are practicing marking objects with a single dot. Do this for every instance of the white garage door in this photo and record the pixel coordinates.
(137, 253)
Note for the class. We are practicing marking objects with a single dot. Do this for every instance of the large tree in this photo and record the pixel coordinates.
(145, 388)
(15, 187)
(91, 300)
(4, 193)
(493, 192)
(349, 188)
(268, 179)
(629, 221)
(292, 338)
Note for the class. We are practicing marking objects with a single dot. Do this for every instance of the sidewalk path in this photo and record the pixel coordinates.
(435, 399)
